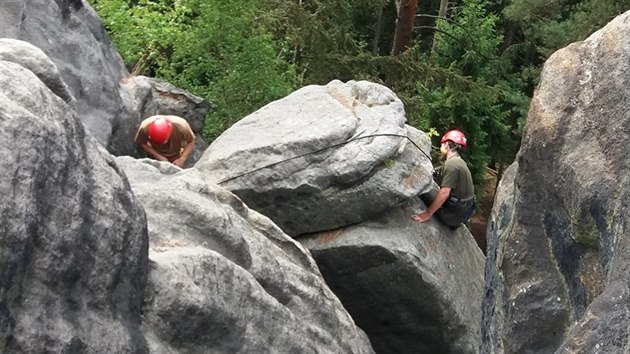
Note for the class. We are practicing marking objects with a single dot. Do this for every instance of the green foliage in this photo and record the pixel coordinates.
(213, 48)
(142, 33)
(310, 30)
(533, 10)
(537, 28)
(488, 111)
(577, 22)
(236, 63)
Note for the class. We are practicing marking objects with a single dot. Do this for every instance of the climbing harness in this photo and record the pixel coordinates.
(354, 138)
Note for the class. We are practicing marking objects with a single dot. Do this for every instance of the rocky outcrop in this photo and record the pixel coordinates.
(302, 162)
(413, 288)
(338, 161)
(84, 55)
(213, 275)
(323, 157)
(557, 274)
(77, 273)
(36, 61)
(73, 239)
(225, 279)
(496, 294)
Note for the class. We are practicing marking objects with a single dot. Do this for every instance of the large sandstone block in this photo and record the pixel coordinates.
(73, 238)
(322, 157)
(558, 252)
(413, 288)
(225, 279)
(74, 38)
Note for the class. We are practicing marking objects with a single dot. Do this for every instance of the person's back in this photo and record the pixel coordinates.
(166, 138)
(460, 203)
(456, 175)
(452, 199)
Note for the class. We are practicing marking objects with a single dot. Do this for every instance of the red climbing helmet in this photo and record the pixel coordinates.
(160, 131)
(455, 136)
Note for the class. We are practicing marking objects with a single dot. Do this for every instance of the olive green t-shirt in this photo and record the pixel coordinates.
(456, 175)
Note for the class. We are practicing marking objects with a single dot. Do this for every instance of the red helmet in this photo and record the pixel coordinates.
(160, 131)
(455, 136)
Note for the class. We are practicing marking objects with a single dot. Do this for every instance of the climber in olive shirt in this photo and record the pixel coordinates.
(454, 201)
(166, 138)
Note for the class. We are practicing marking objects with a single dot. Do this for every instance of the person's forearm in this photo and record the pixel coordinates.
(152, 153)
(188, 150)
(438, 201)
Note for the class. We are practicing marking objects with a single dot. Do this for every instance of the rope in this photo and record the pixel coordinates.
(355, 138)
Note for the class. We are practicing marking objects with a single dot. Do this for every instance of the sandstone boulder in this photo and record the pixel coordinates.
(73, 238)
(323, 157)
(225, 279)
(558, 253)
(413, 288)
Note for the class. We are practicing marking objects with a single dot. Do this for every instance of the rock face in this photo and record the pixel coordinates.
(224, 279)
(311, 162)
(558, 271)
(83, 53)
(73, 238)
(187, 266)
(74, 252)
(413, 288)
(36, 61)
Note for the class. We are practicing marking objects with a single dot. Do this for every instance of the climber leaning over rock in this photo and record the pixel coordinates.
(166, 138)
(451, 199)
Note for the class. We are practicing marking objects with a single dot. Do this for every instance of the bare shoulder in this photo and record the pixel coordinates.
(177, 120)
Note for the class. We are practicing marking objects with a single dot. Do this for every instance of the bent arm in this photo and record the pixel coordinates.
(188, 148)
(152, 153)
(439, 200)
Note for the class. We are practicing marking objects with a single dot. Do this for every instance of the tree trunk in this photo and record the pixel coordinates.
(443, 7)
(296, 48)
(403, 37)
(377, 31)
(441, 14)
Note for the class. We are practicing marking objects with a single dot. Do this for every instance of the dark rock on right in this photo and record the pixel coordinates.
(558, 253)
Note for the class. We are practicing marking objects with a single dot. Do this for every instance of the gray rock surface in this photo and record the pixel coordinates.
(558, 268)
(137, 104)
(75, 273)
(36, 61)
(413, 288)
(497, 294)
(73, 37)
(225, 279)
(293, 160)
(73, 238)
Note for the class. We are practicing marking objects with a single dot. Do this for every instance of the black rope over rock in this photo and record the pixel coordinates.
(355, 138)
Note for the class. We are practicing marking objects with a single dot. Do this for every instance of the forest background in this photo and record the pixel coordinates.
(463, 64)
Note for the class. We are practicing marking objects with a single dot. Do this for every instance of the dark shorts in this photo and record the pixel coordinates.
(453, 213)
